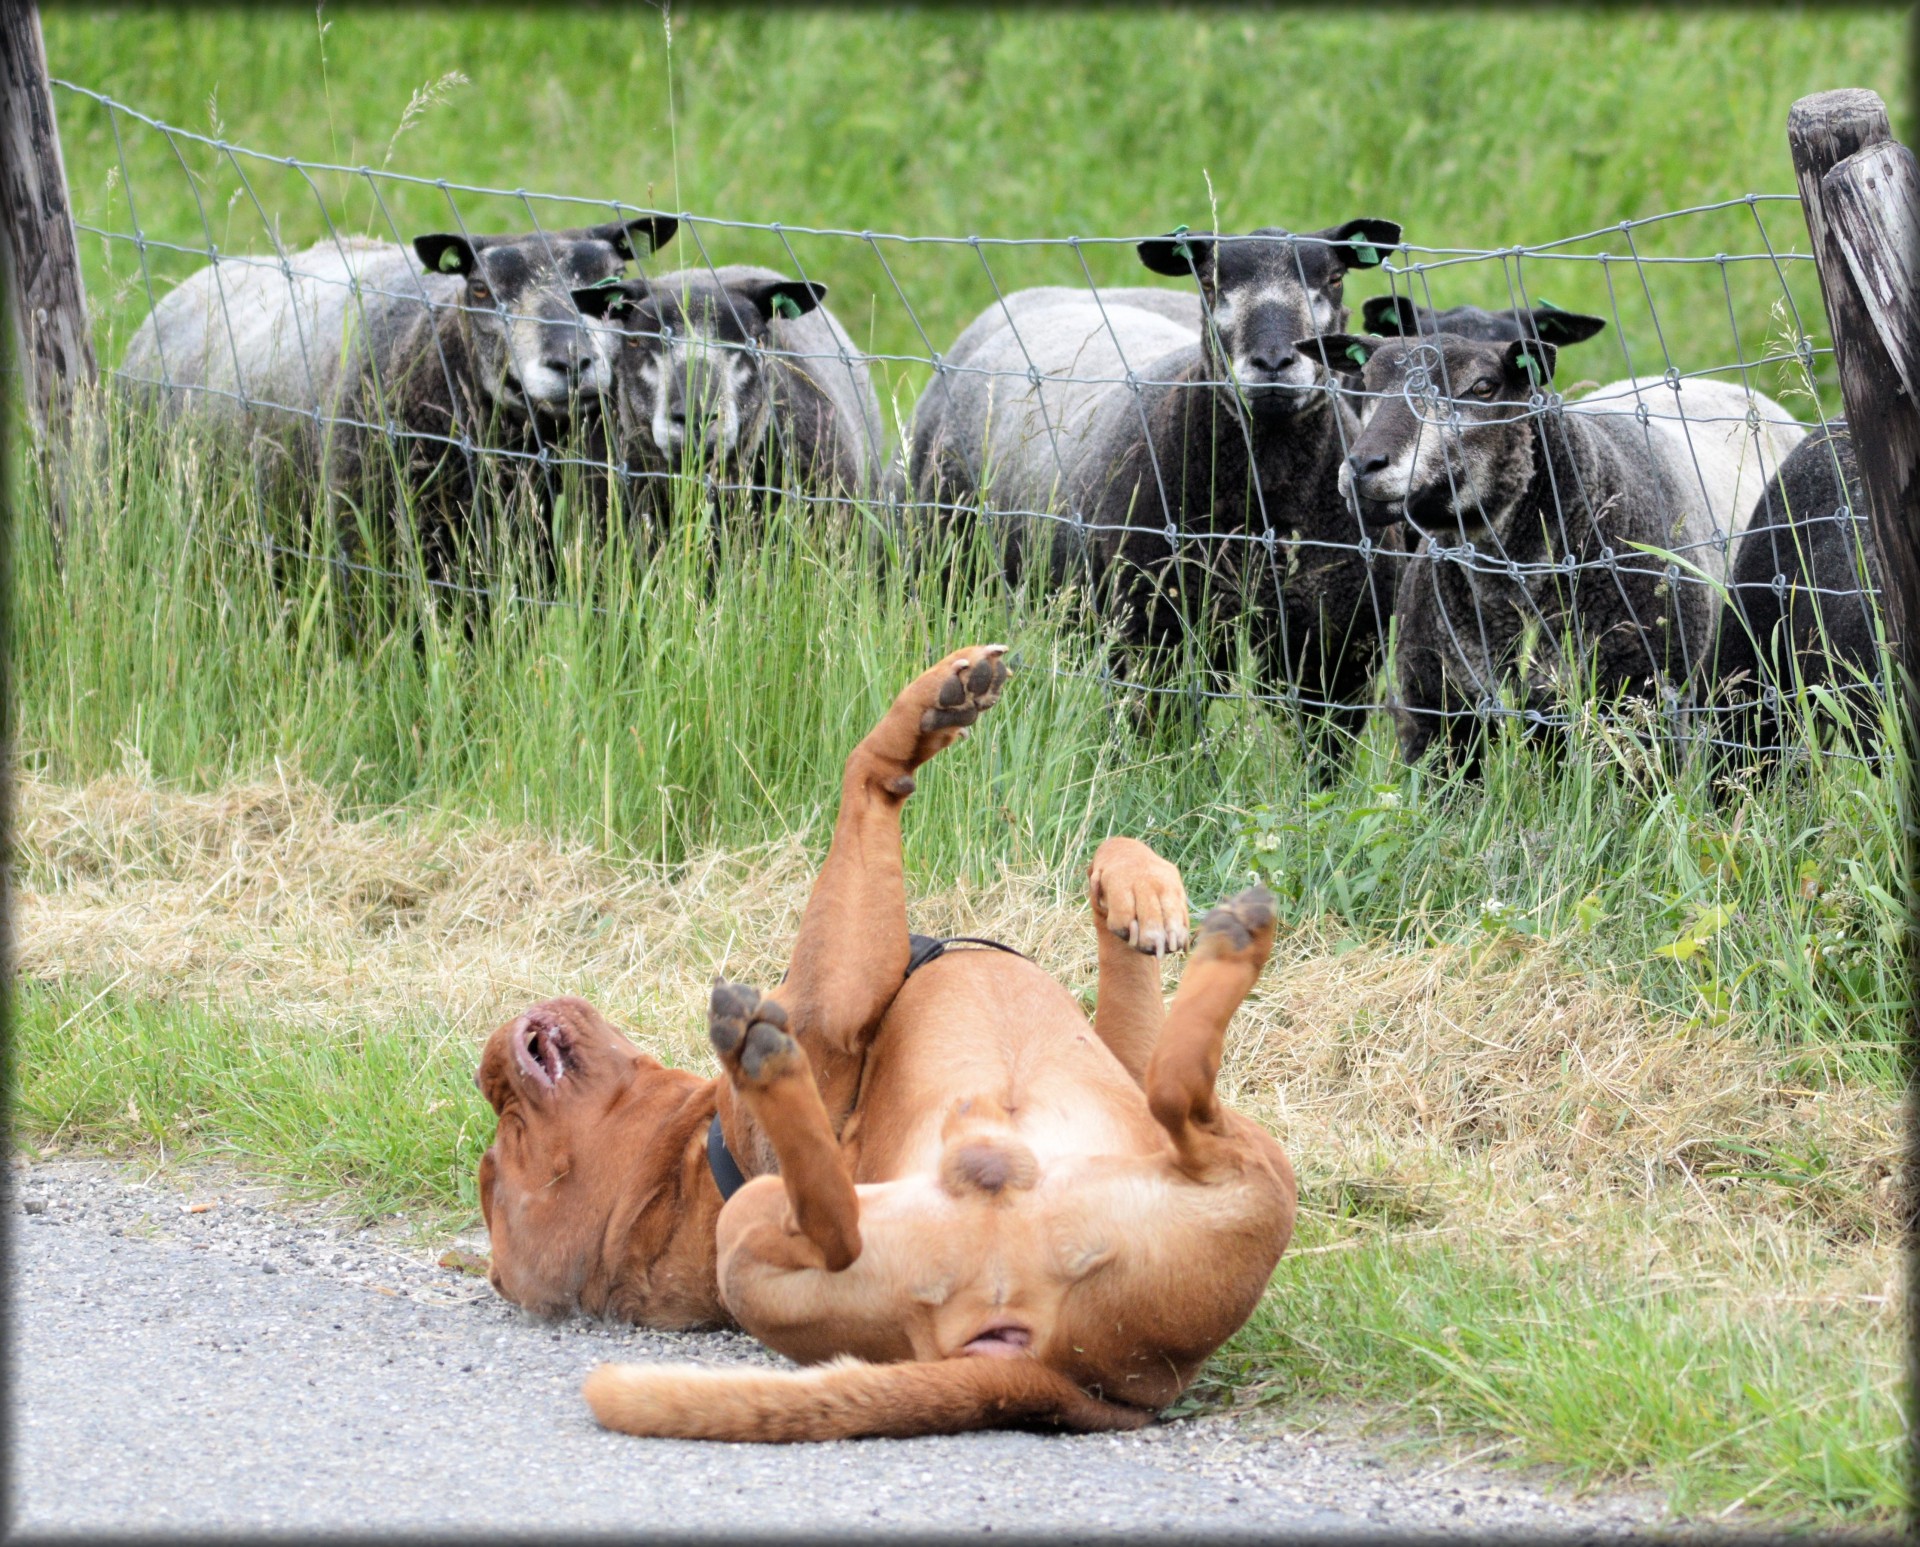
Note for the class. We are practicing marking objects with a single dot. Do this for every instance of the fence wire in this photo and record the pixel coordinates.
(285, 335)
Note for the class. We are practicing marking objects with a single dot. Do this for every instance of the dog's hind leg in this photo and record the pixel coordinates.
(1227, 957)
(771, 1076)
(1139, 915)
(851, 953)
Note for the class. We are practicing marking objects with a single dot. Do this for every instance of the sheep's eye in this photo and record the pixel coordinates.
(479, 292)
(1483, 388)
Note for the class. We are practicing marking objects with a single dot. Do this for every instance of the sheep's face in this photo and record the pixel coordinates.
(1446, 428)
(691, 369)
(1263, 292)
(532, 352)
(1396, 316)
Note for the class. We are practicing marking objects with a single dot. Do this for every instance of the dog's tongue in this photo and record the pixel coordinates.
(1001, 1343)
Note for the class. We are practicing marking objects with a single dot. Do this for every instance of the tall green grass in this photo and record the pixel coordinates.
(1474, 129)
(700, 687)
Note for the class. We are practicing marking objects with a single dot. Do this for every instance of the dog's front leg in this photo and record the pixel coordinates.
(1139, 915)
(1232, 946)
(770, 1074)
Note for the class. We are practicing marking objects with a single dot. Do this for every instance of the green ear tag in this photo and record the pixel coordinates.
(1533, 367)
(784, 305)
(1364, 256)
(1357, 354)
(1544, 305)
(449, 259)
(1181, 249)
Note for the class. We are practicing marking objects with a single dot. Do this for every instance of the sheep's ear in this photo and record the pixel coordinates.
(1178, 256)
(1345, 352)
(640, 237)
(1361, 244)
(1529, 362)
(1394, 315)
(445, 253)
(785, 297)
(1554, 326)
(610, 302)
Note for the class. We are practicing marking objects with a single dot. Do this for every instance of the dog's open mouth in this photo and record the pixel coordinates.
(1004, 1341)
(544, 1052)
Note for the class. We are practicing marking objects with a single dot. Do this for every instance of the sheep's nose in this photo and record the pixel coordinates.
(568, 367)
(1363, 464)
(1272, 362)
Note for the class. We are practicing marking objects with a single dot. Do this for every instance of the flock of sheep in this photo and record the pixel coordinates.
(1214, 451)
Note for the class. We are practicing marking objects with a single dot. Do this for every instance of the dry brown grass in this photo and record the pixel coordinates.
(1425, 1087)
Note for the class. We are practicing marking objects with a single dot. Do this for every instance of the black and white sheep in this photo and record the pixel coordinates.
(739, 372)
(1186, 448)
(1803, 598)
(347, 343)
(1529, 579)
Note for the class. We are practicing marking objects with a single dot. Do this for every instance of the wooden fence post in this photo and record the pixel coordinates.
(1862, 200)
(41, 256)
(1862, 197)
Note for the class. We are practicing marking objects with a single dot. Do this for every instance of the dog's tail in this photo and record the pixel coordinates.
(844, 1399)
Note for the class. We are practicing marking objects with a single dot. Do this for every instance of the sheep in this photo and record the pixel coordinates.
(1392, 315)
(325, 354)
(739, 371)
(1546, 503)
(1803, 596)
(1193, 449)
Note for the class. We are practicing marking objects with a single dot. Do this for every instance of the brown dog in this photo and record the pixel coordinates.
(1000, 1212)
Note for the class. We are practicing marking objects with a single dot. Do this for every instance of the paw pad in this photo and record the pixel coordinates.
(1237, 920)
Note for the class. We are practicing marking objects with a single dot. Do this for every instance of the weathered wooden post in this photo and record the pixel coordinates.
(41, 269)
(1862, 200)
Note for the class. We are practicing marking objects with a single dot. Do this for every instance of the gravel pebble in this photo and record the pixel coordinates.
(196, 1353)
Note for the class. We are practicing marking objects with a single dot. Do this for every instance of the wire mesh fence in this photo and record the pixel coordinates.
(1469, 521)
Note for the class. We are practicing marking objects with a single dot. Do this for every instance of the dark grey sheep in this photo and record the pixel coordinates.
(1528, 514)
(1803, 596)
(741, 372)
(1192, 448)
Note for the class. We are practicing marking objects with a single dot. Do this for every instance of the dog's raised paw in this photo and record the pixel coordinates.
(730, 1007)
(972, 686)
(767, 1044)
(1235, 923)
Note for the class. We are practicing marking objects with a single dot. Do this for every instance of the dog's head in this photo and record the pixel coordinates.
(578, 1106)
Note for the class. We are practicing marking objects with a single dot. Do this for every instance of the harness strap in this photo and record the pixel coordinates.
(727, 1175)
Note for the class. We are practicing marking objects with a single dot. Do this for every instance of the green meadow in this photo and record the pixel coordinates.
(1710, 1306)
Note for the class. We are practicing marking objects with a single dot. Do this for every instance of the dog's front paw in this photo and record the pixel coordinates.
(1139, 896)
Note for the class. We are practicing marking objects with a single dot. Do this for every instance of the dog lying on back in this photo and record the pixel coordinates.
(965, 1204)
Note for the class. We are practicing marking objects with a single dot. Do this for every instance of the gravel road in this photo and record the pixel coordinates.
(193, 1353)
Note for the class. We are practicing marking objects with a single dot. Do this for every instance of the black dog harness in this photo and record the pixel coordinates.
(921, 949)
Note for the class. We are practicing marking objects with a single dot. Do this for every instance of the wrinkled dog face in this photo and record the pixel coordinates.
(1446, 428)
(558, 1079)
(691, 369)
(531, 350)
(1264, 292)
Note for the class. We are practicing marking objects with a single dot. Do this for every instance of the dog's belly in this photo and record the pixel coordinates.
(1114, 1269)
